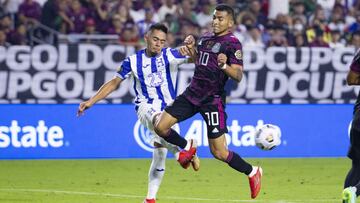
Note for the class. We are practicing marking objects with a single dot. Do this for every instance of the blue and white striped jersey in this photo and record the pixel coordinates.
(154, 77)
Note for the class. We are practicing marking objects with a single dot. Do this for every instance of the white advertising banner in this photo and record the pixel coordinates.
(73, 73)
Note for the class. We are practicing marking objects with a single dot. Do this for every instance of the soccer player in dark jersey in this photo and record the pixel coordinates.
(352, 181)
(217, 57)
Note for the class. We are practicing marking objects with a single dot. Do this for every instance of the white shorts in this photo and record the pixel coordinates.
(146, 113)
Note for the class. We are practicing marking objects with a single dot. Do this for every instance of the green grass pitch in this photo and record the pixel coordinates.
(125, 180)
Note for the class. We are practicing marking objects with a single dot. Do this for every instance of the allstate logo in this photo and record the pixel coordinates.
(144, 136)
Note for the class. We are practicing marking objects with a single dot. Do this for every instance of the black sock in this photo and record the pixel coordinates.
(353, 176)
(237, 163)
(174, 138)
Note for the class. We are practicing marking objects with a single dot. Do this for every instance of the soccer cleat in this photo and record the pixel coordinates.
(149, 201)
(195, 163)
(349, 195)
(185, 156)
(255, 183)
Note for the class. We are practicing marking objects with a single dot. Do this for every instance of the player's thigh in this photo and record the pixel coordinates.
(215, 117)
(181, 109)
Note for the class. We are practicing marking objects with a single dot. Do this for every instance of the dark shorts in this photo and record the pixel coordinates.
(212, 111)
(354, 150)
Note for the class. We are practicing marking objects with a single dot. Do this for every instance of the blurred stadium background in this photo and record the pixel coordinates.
(56, 53)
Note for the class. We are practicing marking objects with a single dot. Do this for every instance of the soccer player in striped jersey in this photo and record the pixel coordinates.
(217, 57)
(154, 70)
(352, 181)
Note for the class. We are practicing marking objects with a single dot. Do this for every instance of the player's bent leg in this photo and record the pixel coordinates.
(163, 124)
(163, 129)
(349, 195)
(195, 162)
(218, 148)
(156, 172)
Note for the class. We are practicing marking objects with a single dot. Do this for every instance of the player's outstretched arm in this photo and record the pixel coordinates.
(103, 92)
(234, 71)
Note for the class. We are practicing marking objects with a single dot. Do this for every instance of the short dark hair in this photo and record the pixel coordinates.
(227, 8)
(158, 26)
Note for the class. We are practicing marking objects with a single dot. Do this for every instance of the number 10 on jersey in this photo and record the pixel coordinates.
(203, 59)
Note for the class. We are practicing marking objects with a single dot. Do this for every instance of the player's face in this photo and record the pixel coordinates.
(155, 41)
(221, 22)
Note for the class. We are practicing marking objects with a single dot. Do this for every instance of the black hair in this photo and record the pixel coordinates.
(158, 26)
(227, 8)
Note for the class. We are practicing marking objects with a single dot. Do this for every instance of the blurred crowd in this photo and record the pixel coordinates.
(314, 23)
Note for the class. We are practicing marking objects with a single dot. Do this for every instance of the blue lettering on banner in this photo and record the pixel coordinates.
(112, 131)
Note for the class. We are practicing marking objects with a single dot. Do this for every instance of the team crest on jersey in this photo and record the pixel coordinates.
(216, 48)
(238, 54)
(209, 44)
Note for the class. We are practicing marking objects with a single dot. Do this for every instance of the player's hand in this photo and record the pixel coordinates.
(185, 51)
(222, 58)
(189, 42)
(82, 107)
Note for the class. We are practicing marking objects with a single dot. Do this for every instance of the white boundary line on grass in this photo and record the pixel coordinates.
(162, 197)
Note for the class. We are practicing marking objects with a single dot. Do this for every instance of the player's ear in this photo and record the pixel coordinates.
(231, 22)
(146, 37)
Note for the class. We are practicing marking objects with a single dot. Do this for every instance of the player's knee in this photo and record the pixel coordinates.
(219, 154)
(161, 130)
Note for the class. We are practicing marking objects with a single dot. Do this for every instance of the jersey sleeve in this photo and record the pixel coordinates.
(355, 64)
(178, 58)
(124, 70)
(234, 53)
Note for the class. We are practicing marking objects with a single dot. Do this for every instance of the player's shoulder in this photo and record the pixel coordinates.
(133, 57)
(206, 35)
(139, 52)
(136, 54)
(232, 38)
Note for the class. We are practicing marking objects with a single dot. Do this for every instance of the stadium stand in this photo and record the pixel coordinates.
(306, 22)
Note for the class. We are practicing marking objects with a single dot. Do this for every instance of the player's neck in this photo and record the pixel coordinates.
(222, 33)
(150, 54)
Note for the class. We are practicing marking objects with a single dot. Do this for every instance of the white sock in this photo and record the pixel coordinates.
(188, 145)
(354, 189)
(174, 150)
(156, 172)
(253, 172)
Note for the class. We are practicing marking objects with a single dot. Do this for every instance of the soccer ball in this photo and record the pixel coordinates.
(267, 137)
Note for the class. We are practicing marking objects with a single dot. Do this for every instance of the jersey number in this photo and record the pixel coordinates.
(156, 79)
(204, 57)
(213, 118)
